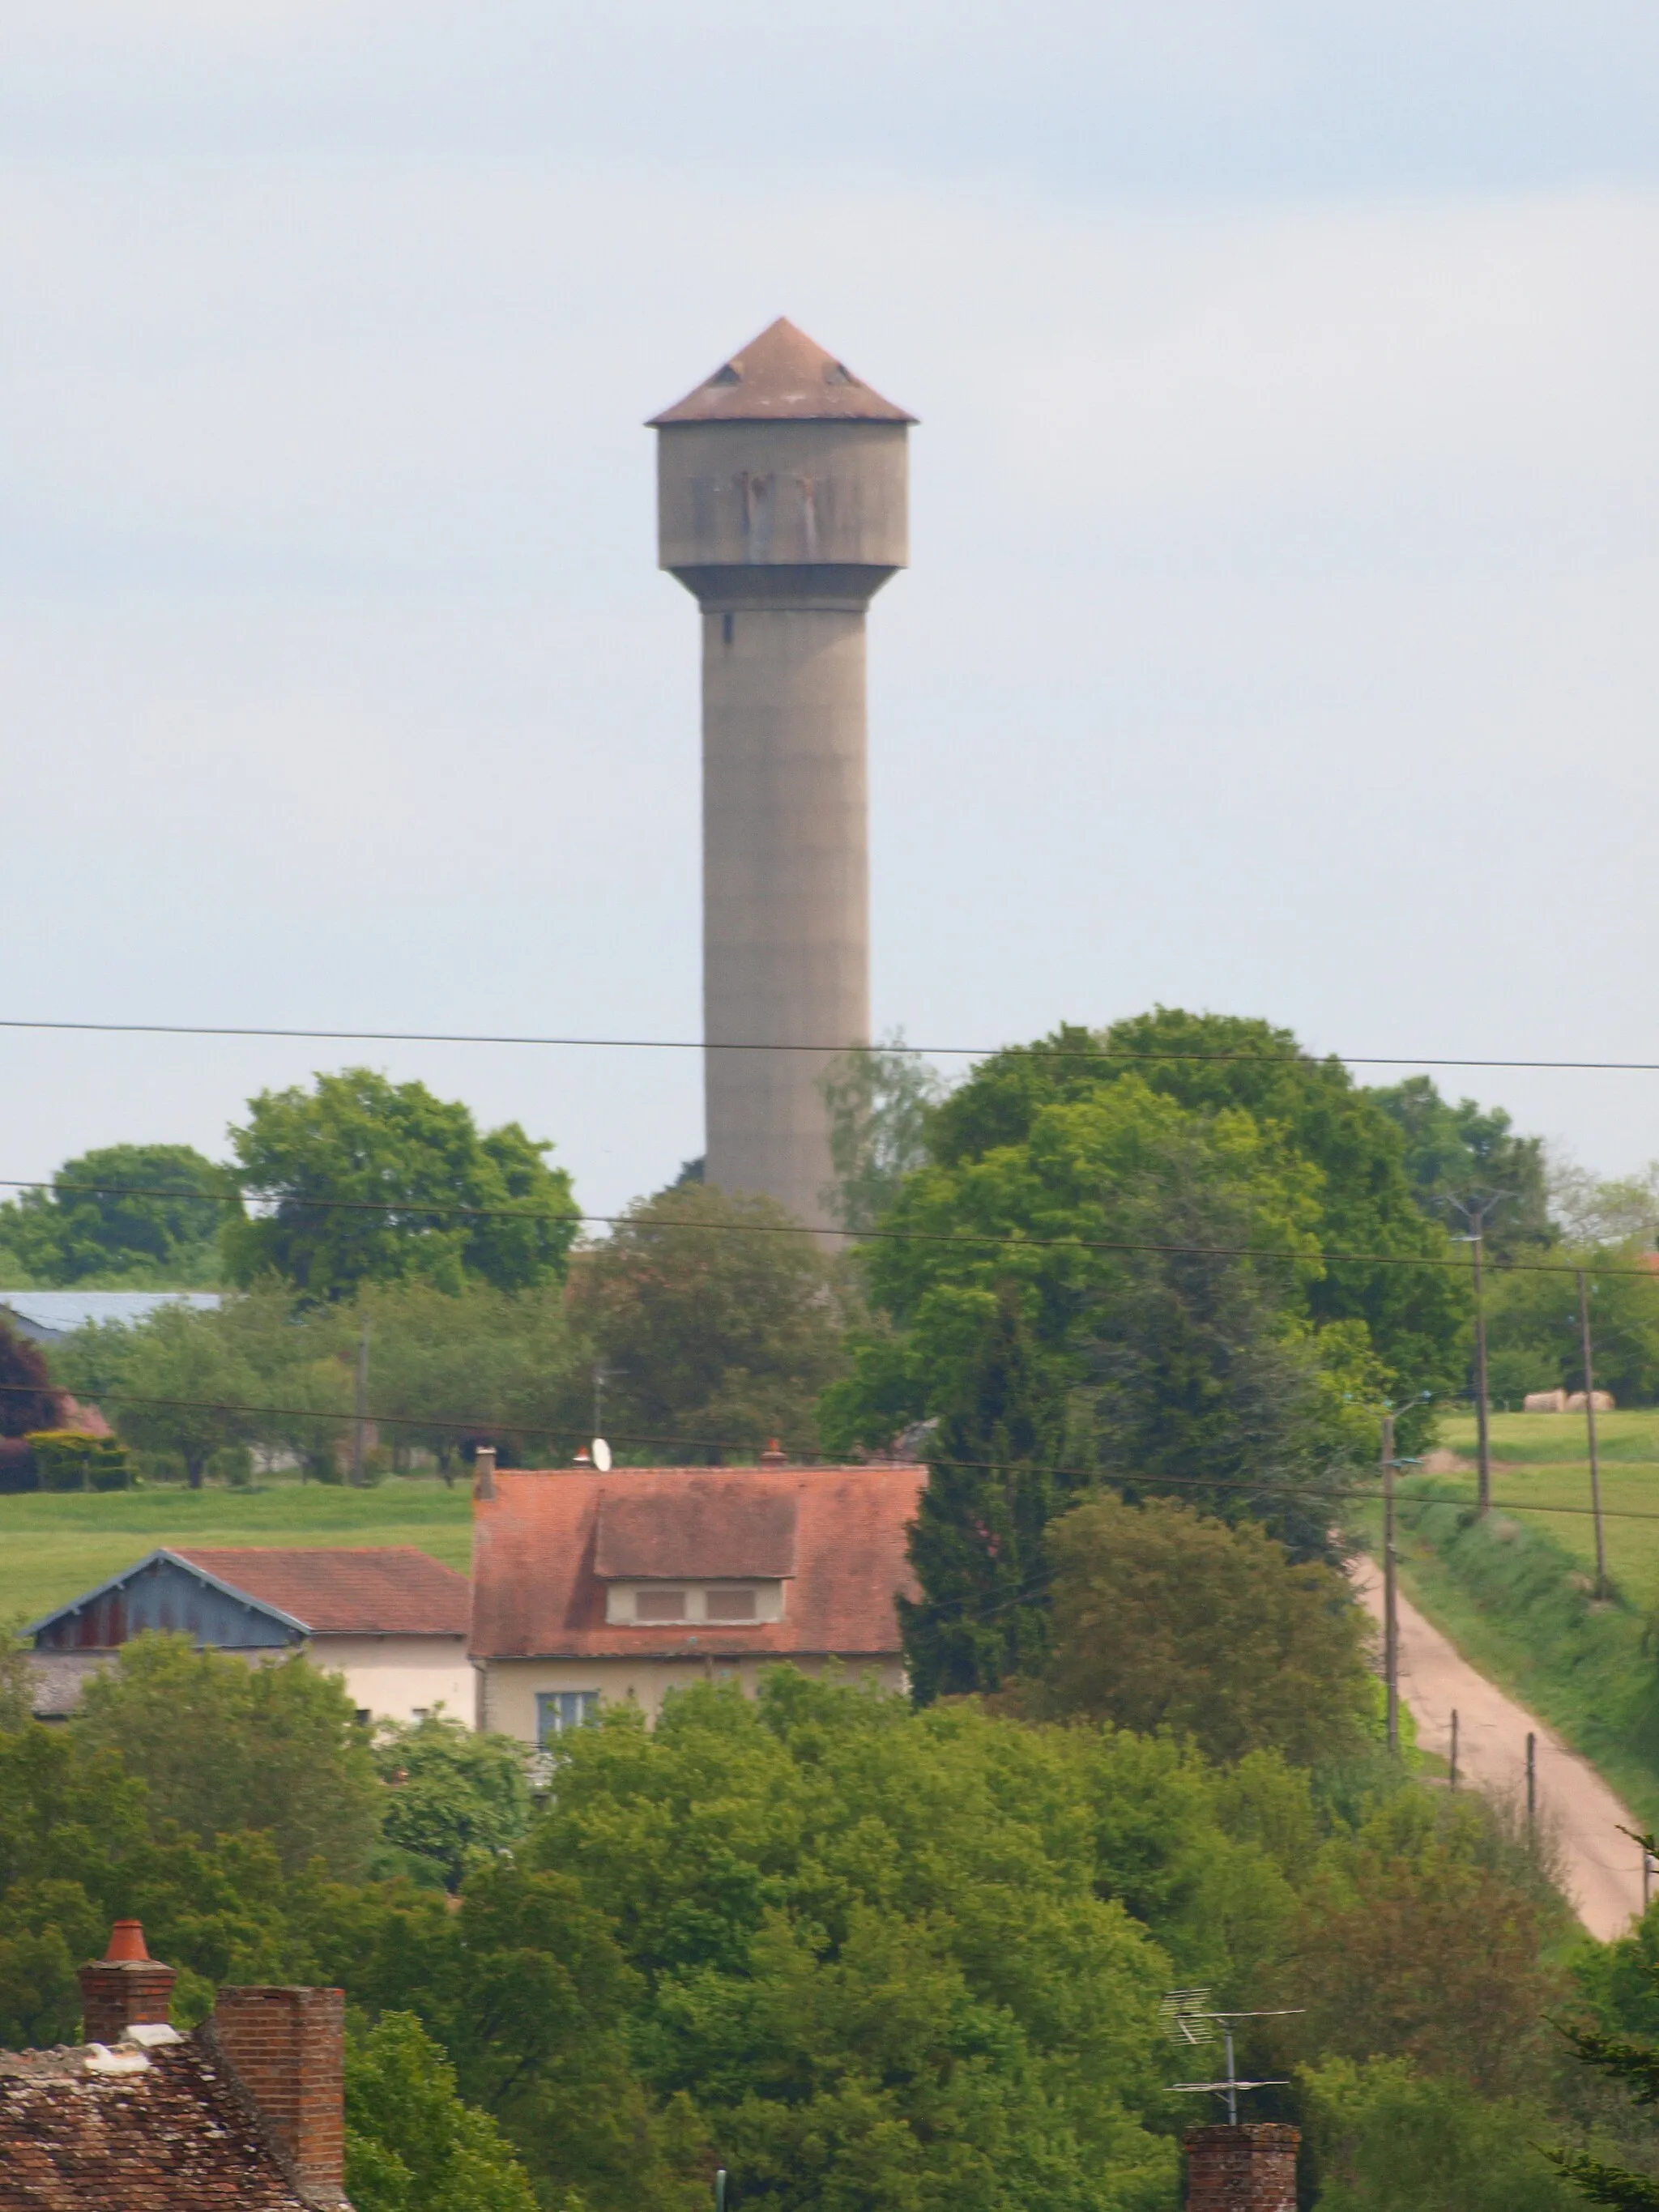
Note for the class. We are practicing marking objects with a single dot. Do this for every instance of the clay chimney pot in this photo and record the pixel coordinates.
(126, 1944)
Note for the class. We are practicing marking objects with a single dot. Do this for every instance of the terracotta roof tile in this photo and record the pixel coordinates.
(389, 1589)
(172, 2136)
(781, 376)
(538, 1592)
(711, 1526)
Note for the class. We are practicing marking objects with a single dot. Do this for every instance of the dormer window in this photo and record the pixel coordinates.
(695, 1605)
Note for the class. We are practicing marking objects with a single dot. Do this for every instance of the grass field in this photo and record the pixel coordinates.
(53, 1547)
(1541, 1460)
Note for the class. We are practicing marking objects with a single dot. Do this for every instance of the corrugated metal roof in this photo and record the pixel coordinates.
(781, 376)
(45, 1315)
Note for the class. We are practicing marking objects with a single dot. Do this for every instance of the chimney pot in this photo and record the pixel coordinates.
(126, 1988)
(773, 1454)
(484, 1471)
(1250, 2167)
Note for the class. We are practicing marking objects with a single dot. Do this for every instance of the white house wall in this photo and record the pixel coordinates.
(392, 1678)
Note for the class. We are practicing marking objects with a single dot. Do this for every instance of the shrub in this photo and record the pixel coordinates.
(64, 1458)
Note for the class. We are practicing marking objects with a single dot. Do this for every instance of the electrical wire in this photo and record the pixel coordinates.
(914, 1051)
(1268, 1491)
(419, 1208)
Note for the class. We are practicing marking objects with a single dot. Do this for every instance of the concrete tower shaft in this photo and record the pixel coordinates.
(782, 505)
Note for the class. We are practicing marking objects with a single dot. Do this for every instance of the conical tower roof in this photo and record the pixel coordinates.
(782, 376)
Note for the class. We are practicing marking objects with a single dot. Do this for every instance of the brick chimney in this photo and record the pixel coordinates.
(126, 1988)
(1250, 2167)
(287, 2049)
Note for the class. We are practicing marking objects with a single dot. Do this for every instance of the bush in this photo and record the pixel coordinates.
(233, 1465)
(1388, 2140)
(64, 1458)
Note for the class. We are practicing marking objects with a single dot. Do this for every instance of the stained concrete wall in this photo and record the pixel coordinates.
(784, 530)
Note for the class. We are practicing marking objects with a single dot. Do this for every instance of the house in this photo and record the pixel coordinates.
(247, 2113)
(391, 1619)
(590, 1587)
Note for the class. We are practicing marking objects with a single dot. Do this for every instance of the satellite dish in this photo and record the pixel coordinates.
(602, 1455)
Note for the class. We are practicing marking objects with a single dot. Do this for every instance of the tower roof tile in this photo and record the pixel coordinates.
(782, 376)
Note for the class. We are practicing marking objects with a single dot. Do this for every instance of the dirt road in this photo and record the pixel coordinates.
(1603, 1867)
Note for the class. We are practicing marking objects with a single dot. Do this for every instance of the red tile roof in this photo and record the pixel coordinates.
(172, 2136)
(538, 1592)
(718, 1526)
(782, 375)
(390, 1590)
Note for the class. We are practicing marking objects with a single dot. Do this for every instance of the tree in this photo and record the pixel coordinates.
(27, 1401)
(452, 1793)
(144, 1213)
(879, 1099)
(994, 1484)
(503, 1361)
(1390, 2139)
(1533, 1332)
(176, 1381)
(1416, 1317)
(716, 1322)
(363, 1178)
(1453, 1151)
(1162, 1260)
(1423, 1937)
(1164, 1619)
(1631, 1989)
(411, 2144)
(221, 1745)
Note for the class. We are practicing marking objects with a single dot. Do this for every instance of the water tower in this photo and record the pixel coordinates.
(782, 485)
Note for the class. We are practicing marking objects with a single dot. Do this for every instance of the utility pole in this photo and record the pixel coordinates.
(1390, 1608)
(1589, 1424)
(1452, 1771)
(1477, 1212)
(360, 1403)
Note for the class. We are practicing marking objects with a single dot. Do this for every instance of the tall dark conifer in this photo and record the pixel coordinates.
(994, 1483)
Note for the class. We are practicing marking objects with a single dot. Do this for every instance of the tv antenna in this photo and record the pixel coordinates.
(1189, 2019)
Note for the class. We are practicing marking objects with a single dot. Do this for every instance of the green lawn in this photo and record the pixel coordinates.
(53, 1547)
(1541, 1460)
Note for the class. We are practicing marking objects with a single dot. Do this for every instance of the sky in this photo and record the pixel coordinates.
(1279, 637)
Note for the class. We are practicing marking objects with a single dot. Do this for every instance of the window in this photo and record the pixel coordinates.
(660, 1604)
(729, 1604)
(557, 1710)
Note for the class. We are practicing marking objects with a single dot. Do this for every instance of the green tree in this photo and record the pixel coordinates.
(222, 1745)
(362, 1177)
(994, 1481)
(452, 1793)
(502, 1361)
(138, 1213)
(1388, 2139)
(1533, 1336)
(1452, 1151)
(879, 1099)
(1164, 1619)
(1162, 1260)
(1416, 1316)
(176, 1381)
(715, 1320)
(411, 2144)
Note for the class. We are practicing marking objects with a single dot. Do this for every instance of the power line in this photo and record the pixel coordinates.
(915, 1051)
(419, 1208)
(1268, 1491)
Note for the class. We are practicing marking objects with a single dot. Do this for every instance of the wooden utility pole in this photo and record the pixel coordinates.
(1451, 1773)
(359, 1404)
(1477, 1212)
(1390, 1607)
(1589, 1424)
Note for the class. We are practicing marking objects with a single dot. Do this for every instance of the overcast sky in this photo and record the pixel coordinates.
(1280, 638)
